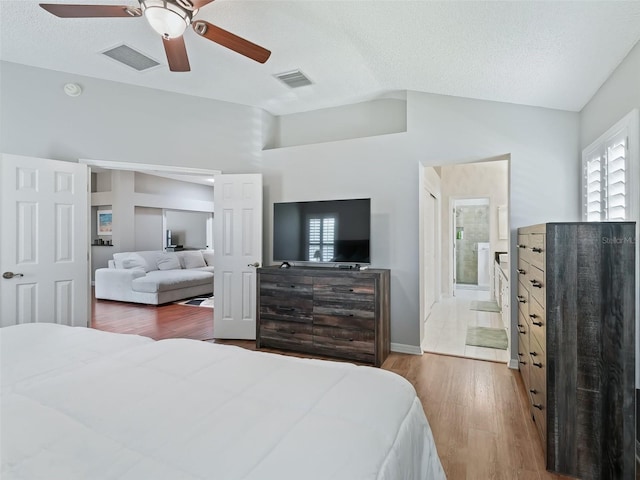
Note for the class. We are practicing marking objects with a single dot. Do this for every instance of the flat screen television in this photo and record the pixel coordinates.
(326, 231)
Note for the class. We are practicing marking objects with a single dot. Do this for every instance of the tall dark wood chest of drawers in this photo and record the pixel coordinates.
(576, 317)
(340, 313)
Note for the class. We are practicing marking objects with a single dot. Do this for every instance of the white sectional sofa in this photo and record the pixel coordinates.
(155, 277)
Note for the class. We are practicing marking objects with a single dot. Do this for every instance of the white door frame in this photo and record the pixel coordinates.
(428, 186)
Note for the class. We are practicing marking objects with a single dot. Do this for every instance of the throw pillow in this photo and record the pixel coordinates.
(193, 259)
(168, 261)
(129, 260)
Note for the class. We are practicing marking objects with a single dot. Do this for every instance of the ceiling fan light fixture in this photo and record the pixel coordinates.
(168, 19)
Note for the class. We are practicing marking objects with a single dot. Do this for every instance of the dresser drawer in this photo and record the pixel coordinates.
(523, 299)
(538, 323)
(523, 246)
(344, 289)
(538, 391)
(328, 315)
(523, 359)
(278, 285)
(536, 249)
(345, 343)
(523, 269)
(536, 280)
(290, 335)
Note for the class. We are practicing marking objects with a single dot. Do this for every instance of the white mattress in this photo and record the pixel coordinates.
(84, 404)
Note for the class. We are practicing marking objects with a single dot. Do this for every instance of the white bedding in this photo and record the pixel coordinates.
(83, 404)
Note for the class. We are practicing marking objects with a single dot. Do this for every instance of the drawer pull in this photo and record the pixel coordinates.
(521, 246)
(338, 338)
(521, 331)
(521, 271)
(520, 354)
(523, 363)
(536, 283)
(533, 354)
(538, 406)
(521, 299)
(539, 365)
(536, 249)
(533, 391)
(285, 309)
(343, 290)
(292, 286)
(537, 324)
(282, 330)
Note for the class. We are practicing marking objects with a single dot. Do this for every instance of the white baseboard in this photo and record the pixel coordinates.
(513, 364)
(403, 348)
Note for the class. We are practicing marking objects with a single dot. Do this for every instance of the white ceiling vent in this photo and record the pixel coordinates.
(131, 58)
(294, 79)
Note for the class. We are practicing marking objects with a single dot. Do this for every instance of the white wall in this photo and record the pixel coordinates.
(112, 121)
(616, 97)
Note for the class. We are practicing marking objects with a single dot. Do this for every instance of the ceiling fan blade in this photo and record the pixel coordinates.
(231, 41)
(86, 11)
(176, 54)
(200, 3)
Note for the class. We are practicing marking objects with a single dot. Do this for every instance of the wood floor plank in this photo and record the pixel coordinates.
(478, 410)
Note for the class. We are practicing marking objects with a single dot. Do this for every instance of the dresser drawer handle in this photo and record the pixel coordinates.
(292, 286)
(536, 249)
(338, 338)
(284, 330)
(539, 365)
(520, 354)
(535, 283)
(538, 406)
(285, 309)
(533, 391)
(524, 332)
(537, 324)
(343, 290)
(521, 299)
(521, 271)
(533, 354)
(521, 246)
(523, 363)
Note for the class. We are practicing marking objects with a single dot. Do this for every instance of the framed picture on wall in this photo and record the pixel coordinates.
(104, 222)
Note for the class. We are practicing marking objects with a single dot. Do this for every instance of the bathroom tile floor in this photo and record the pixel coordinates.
(446, 327)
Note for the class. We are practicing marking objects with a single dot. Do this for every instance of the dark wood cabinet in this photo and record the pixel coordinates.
(325, 311)
(576, 297)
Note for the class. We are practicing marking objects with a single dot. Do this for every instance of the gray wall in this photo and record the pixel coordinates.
(112, 121)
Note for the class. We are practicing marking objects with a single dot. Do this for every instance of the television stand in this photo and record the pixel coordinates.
(334, 312)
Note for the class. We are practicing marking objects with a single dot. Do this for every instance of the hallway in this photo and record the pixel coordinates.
(446, 327)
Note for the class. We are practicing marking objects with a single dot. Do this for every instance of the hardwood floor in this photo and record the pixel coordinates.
(476, 409)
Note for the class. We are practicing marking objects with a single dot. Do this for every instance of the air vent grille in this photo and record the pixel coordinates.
(131, 58)
(294, 79)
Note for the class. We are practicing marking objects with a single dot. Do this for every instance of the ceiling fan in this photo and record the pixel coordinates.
(170, 18)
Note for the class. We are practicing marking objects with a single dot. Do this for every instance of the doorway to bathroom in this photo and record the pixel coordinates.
(471, 243)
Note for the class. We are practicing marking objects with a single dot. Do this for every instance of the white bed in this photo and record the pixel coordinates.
(83, 404)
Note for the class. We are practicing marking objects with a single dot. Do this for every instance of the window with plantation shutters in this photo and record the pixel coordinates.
(609, 185)
(321, 232)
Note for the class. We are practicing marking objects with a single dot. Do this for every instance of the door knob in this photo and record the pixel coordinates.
(254, 264)
(9, 275)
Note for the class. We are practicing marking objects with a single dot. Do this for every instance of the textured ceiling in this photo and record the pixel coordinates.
(552, 54)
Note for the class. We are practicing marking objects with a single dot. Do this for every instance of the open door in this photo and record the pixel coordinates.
(43, 241)
(237, 234)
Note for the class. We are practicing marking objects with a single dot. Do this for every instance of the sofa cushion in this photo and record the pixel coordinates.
(193, 259)
(162, 281)
(168, 261)
(208, 257)
(130, 260)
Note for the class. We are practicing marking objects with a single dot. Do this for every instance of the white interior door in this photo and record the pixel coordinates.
(44, 241)
(237, 232)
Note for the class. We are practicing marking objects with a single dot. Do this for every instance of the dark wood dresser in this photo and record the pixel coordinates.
(576, 318)
(333, 312)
